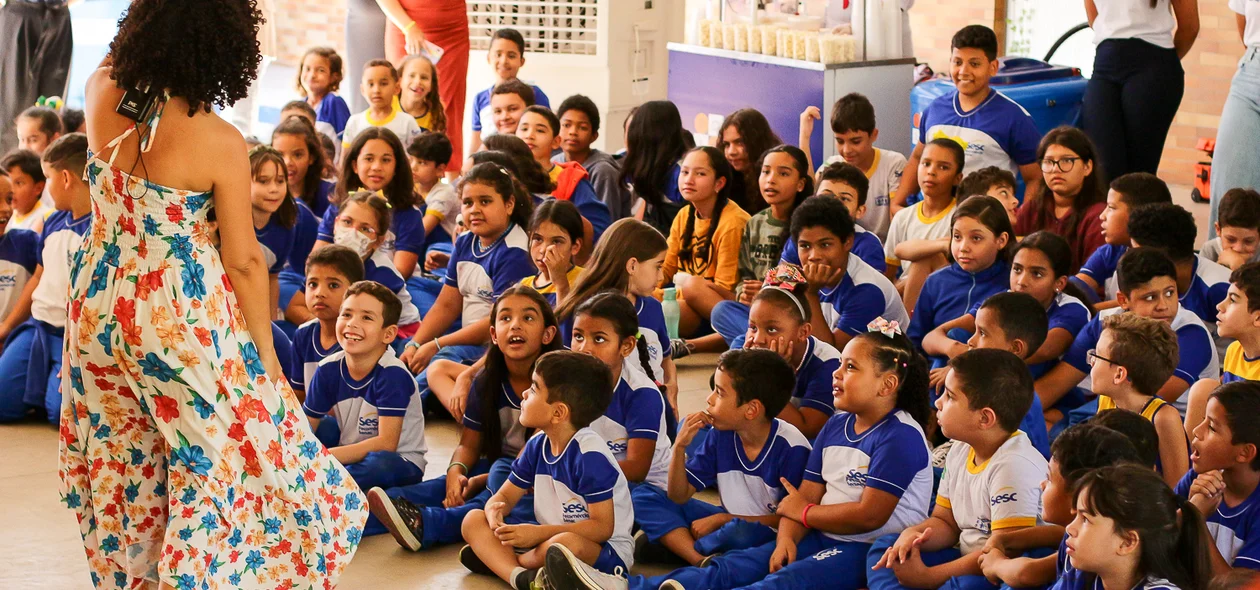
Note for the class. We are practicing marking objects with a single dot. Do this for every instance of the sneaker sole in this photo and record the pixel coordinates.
(468, 558)
(383, 508)
(563, 572)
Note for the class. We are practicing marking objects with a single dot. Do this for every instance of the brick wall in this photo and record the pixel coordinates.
(934, 24)
(1209, 68)
(301, 25)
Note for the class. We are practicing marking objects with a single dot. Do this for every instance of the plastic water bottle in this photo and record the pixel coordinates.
(669, 307)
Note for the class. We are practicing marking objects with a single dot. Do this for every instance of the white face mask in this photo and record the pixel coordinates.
(354, 240)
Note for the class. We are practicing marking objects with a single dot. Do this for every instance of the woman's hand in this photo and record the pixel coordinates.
(413, 39)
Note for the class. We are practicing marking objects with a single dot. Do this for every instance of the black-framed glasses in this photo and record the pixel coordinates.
(1063, 164)
(1093, 357)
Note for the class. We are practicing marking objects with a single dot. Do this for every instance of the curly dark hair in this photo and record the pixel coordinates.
(209, 60)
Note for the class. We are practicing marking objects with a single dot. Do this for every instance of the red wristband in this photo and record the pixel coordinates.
(805, 515)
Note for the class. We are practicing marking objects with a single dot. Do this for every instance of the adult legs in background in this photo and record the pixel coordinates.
(1238, 136)
(245, 111)
(364, 23)
(1102, 114)
(35, 48)
(444, 23)
(1150, 98)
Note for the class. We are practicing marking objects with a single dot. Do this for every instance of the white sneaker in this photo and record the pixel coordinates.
(671, 585)
(566, 572)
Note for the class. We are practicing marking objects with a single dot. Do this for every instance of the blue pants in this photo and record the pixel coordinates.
(384, 469)
(821, 562)
(442, 525)
(30, 372)
(730, 319)
(292, 284)
(465, 354)
(885, 579)
(657, 515)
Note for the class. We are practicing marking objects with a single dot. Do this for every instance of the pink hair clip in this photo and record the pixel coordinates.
(884, 327)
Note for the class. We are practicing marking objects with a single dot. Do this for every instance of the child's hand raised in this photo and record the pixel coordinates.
(1206, 491)
(820, 275)
(556, 263)
(793, 504)
(783, 556)
(690, 426)
(522, 536)
(808, 116)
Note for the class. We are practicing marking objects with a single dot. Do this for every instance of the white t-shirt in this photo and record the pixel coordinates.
(1251, 10)
(1003, 492)
(911, 224)
(885, 176)
(402, 124)
(1135, 19)
(33, 221)
(443, 203)
(62, 237)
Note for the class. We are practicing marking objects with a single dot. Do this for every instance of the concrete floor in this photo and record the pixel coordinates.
(43, 549)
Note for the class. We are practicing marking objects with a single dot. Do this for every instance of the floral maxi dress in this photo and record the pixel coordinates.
(183, 461)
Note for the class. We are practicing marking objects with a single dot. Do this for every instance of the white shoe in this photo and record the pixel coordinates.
(566, 572)
(672, 585)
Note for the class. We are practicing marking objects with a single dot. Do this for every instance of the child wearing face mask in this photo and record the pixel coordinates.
(361, 227)
(376, 162)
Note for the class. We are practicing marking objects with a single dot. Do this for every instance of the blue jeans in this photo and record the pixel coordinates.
(23, 385)
(821, 562)
(730, 319)
(1238, 136)
(885, 579)
(657, 515)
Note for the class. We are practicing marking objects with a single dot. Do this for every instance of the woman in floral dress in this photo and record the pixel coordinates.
(183, 450)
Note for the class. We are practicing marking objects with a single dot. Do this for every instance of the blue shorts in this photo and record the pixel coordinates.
(609, 562)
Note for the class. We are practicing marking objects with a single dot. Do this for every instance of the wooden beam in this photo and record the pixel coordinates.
(999, 24)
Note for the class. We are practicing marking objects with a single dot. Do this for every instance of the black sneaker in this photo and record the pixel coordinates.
(566, 572)
(679, 348)
(401, 517)
(523, 579)
(468, 558)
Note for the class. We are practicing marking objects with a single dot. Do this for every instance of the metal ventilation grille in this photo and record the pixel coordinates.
(564, 27)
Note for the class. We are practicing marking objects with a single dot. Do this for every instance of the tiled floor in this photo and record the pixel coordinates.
(43, 550)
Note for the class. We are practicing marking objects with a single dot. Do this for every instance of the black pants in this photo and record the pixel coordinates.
(35, 48)
(1130, 104)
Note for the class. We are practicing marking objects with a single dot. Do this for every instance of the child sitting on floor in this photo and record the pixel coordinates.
(581, 499)
(744, 458)
(370, 394)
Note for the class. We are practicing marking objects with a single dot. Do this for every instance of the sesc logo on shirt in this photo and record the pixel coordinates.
(857, 477)
(618, 446)
(369, 424)
(574, 510)
(1006, 494)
